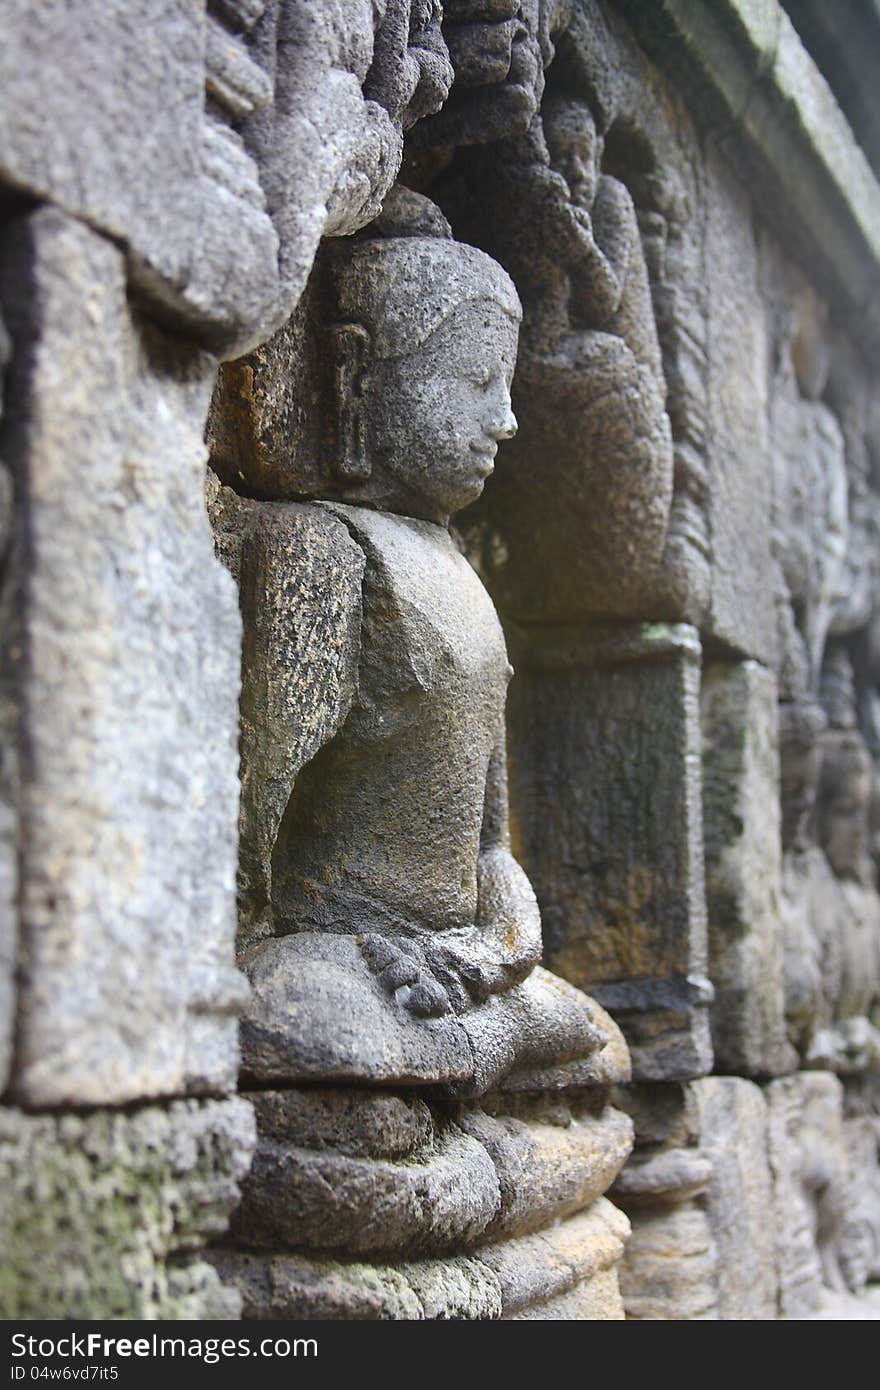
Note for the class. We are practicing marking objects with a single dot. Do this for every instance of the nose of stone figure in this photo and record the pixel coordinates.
(501, 422)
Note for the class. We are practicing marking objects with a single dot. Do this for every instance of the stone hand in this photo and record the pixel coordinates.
(402, 969)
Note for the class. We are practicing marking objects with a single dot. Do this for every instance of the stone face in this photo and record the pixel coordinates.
(104, 1214)
(623, 913)
(125, 678)
(743, 867)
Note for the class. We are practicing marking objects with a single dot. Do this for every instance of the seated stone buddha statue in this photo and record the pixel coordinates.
(407, 936)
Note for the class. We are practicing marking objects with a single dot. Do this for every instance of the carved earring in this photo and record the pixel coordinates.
(350, 343)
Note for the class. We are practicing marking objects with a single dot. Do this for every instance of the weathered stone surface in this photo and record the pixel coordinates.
(299, 575)
(103, 1214)
(808, 1164)
(547, 1171)
(567, 1271)
(367, 1172)
(92, 97)
(812, 530)
(498, 49)
(348, 79)
(860, 1231)
(589, 542)
(668, 1272)
(543, 1035)
(359, 1122)
(125, 673)
(733, 1121)
(842, 40)
(318, 1012)
(604, 735)
(775, 116)
(669, 1269)
(701, 1199)
(221, 227)
(740, 473)
(8, 762)
(441, 1197)
(743, 868)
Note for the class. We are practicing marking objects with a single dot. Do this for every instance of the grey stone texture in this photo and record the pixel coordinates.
(401, 1180)
(567, 1271)
(8, 765)
(700, 1194)
(249, 145)
(604, 734)
(808, 1163)
(774, 115)
(125, 676)
(743, 868)
(741, 490)
(739, 1198)
(105, 1214)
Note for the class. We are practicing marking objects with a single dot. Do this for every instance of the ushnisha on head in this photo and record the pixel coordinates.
(424, 347)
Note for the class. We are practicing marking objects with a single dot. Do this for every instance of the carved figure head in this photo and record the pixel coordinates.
(424, 351)
(575, 145)
(846, 788)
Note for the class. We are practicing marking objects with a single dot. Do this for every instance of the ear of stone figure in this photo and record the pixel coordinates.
(350, 348)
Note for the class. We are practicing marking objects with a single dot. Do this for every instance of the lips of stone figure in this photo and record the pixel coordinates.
(438, 415)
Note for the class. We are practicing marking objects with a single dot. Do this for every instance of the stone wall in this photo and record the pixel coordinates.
(277, 281)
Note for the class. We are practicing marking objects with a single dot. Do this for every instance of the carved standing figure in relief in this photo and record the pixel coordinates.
(392, 874)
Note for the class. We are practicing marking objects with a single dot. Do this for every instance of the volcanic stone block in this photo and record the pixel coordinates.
(8, 762)
(700, 1196)
(94, 93)
(93, 1206)
(668, 1273)
(741, 477)
(125, 676)
(743, 868)
(808, 1162)
(568, 1271)
(739, 1199)
(605, 791)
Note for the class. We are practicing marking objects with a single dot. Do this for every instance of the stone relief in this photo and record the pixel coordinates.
(436, 927)
(405, 936)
